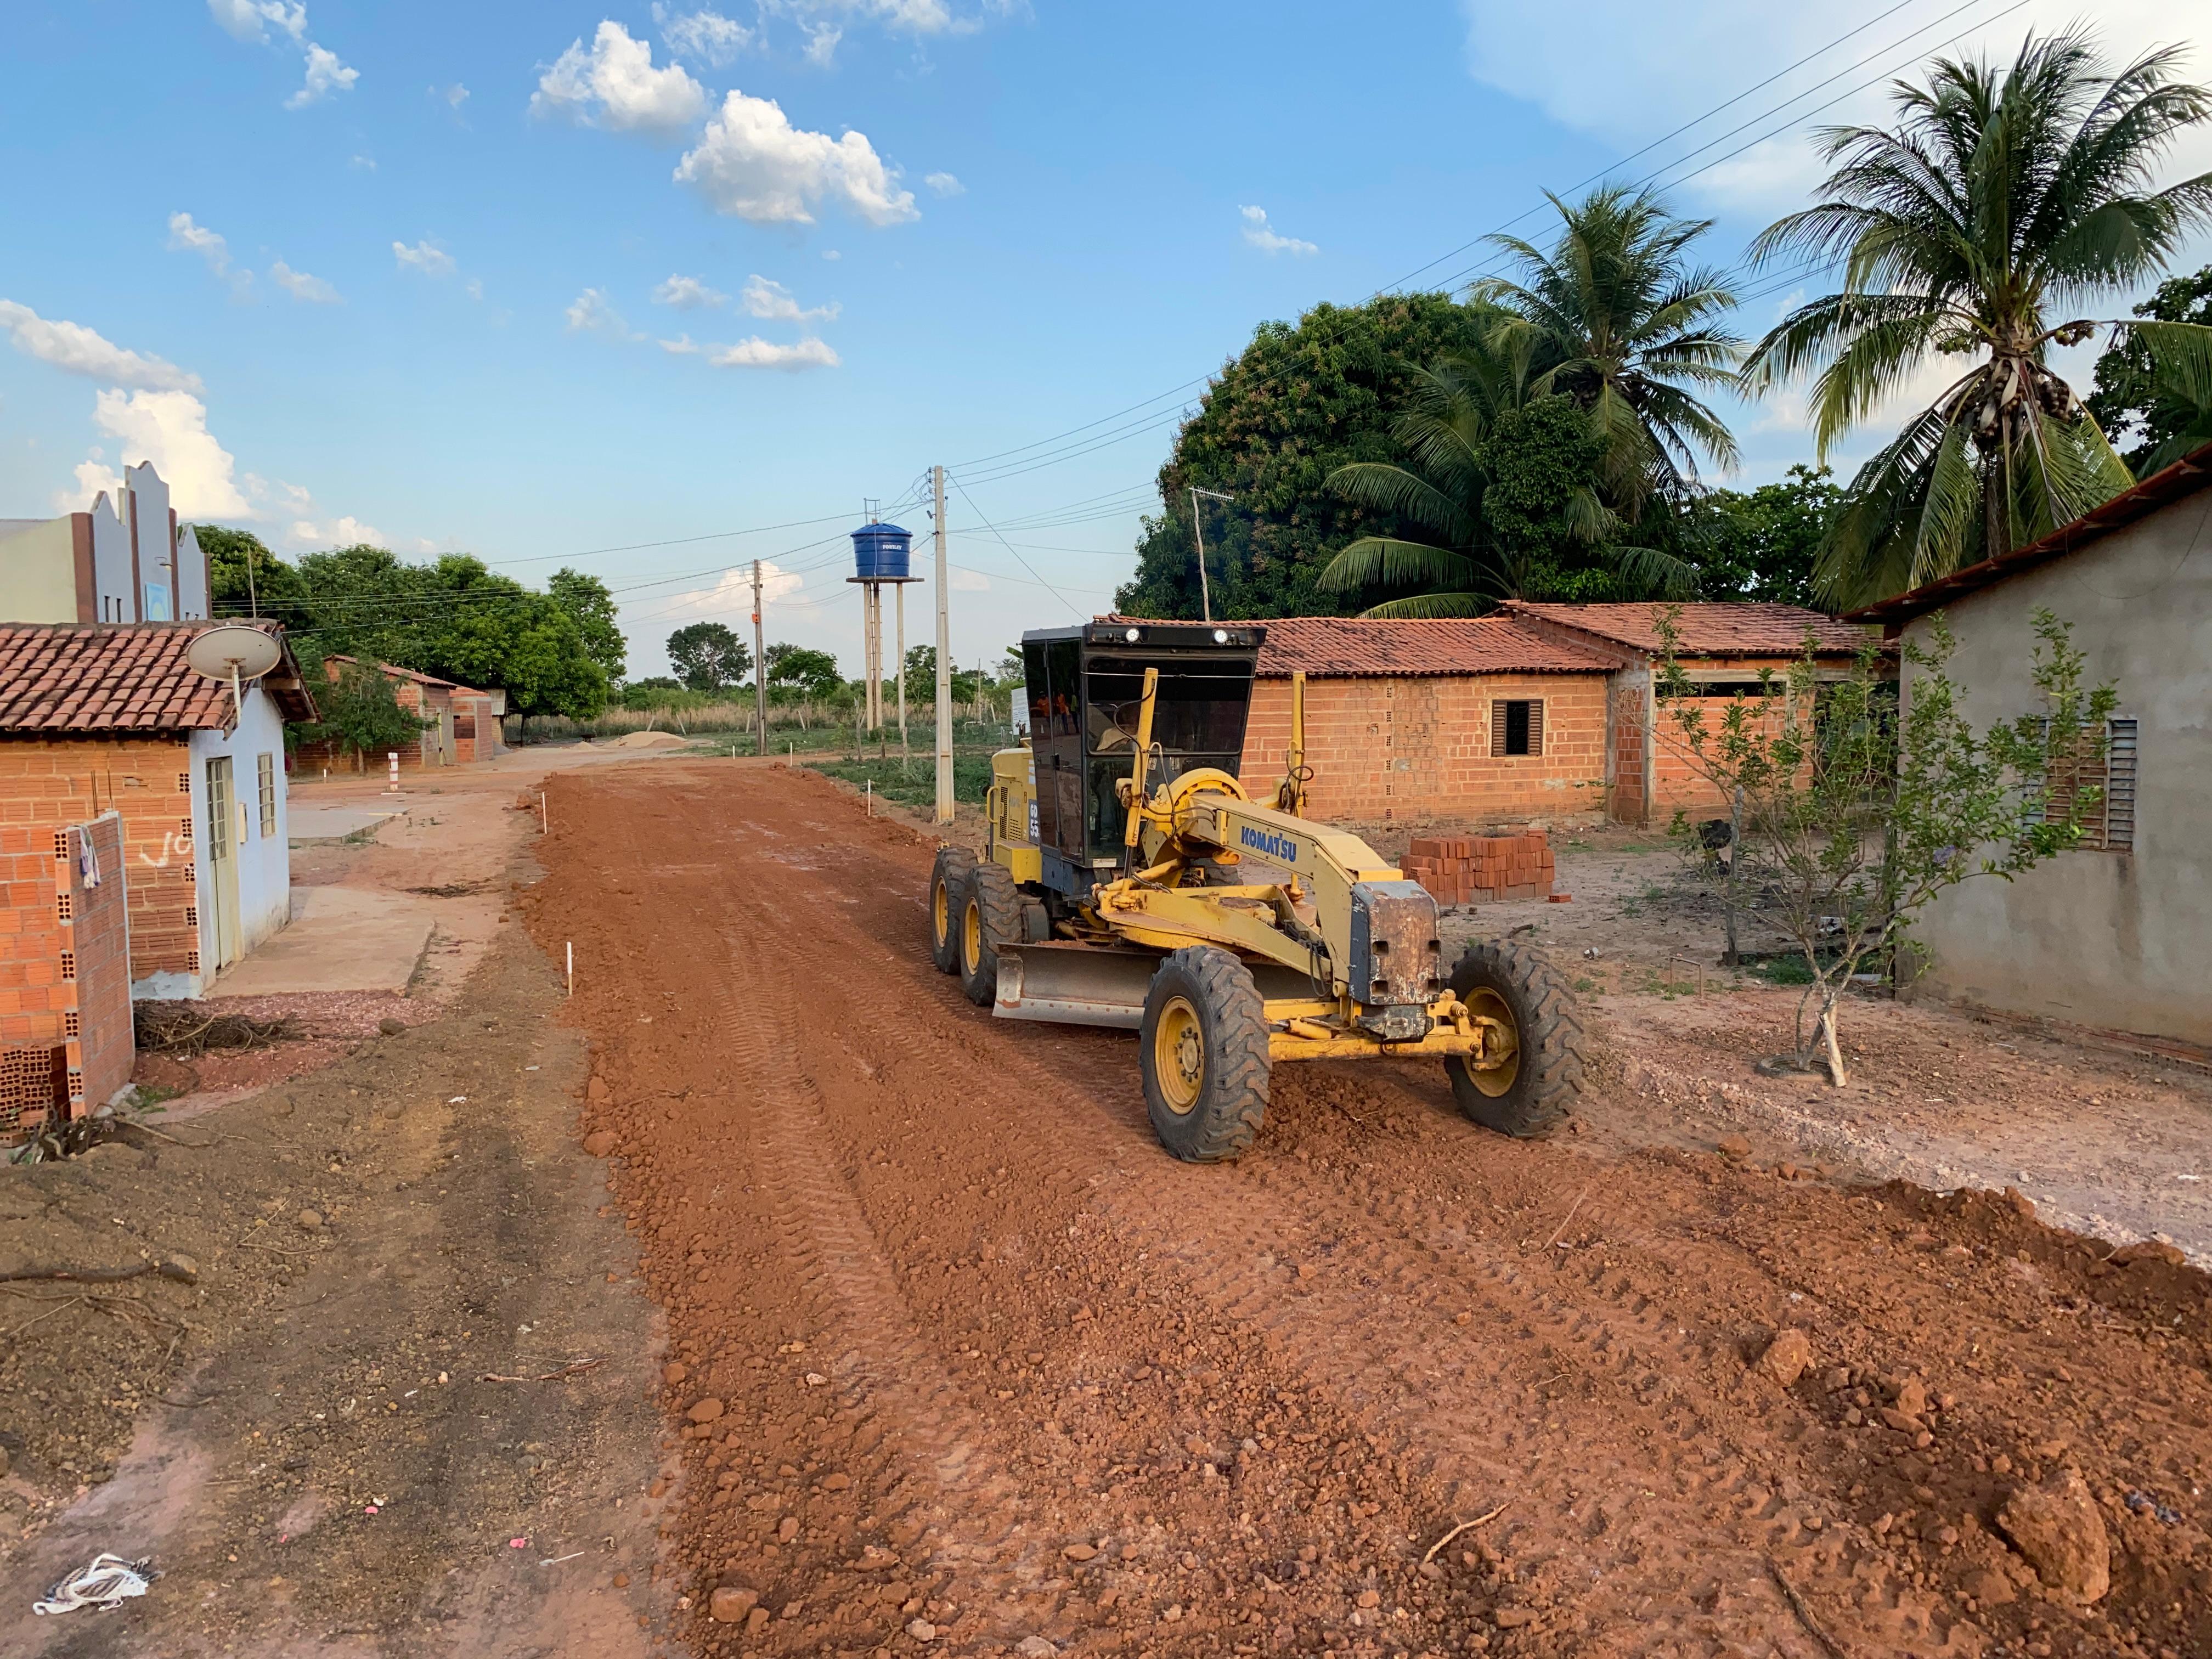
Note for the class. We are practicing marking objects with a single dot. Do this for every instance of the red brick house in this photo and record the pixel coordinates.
(1722, 648)
(110, 719)
(461, 723)
(1484, 720)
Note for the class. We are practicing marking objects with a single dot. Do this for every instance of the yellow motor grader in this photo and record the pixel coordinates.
(1129, 880)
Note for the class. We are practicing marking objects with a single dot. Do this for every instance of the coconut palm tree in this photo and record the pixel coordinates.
(1506, 483)
(2000, 204)
(1615, 316)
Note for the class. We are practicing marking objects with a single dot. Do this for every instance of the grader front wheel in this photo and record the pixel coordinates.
(1534, 1086)
(948, 879)
(990, 915)
(1203, 1049)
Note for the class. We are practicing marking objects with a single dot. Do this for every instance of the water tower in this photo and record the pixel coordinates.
(880, 554)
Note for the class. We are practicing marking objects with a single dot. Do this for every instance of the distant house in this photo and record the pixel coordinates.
(129, 562)
(461, 724)
(1721, 647)
(96, 719)
(1470, 719)
(2117, 934)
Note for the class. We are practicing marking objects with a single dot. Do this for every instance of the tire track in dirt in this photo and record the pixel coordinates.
(965, 1505)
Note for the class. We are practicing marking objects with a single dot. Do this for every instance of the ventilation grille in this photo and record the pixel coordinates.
(33, 1081)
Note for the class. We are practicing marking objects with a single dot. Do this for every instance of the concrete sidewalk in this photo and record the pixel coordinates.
(341, 938)
(335, 823)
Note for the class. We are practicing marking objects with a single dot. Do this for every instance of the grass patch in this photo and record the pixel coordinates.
(1784, 970)
(913, 783)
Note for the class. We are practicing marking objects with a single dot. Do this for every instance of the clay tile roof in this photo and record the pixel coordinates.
(1349, 645)
(394, 671)
(81, 677)
(1744, 628)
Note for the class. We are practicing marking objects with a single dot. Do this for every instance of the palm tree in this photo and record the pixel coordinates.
(1616, 317)
(1999, 202)
(1461, 409)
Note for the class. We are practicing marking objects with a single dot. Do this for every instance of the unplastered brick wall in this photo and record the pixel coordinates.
(46, 783)
(64, 971)
(1676, 785)
(1399, 747)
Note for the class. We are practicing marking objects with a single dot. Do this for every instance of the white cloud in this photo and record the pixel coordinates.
(831, 253)
(366, 163)
(248, 20)
(198, 239)
(753, 163)
(300, 286)
(733, 591)
(344, 531)
(967, 581)
(704, 36)
(589, 313)
(774, 301)
(944, 183)
(757, 352)
(822, 41)
(455, 95)
(1624, 73)
(76, 349)
(474, 288)
(681, 346)
(614, 85)
(326, 74)
(168, 428)
(688, 293)
(425, 256)
(1262, 235)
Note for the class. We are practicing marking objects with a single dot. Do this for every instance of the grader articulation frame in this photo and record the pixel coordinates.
(1129, 880)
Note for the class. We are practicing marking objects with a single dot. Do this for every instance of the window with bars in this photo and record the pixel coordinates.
(268, 780)
(1516, 727)
(2108, 824)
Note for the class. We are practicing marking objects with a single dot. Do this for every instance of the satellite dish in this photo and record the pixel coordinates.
(234, 653)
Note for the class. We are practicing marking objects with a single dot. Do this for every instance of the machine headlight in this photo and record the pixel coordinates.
(1221, 636)
(1131, 636)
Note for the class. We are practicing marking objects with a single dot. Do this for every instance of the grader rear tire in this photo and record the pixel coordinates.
(1535, 1092)
(1203, 1048)
(948, 879)
(990, 915)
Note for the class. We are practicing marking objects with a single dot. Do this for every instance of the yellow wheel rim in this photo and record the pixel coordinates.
(1179, 1055)
(1496, 1079)
(940, 913)
(971, 936)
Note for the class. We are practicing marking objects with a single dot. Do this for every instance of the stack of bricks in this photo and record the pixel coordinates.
(1481, 869)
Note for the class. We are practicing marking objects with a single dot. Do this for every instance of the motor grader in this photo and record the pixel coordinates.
(1130, 881)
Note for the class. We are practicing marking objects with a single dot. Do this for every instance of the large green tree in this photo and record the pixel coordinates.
(2002, 202)
(1300, 401)
(589, 603)
(1615, 315)
(2156, 409)
(1757, 544)
(707, 656)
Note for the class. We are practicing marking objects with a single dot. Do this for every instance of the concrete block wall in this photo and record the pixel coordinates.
(46, 783)
(1393, 747)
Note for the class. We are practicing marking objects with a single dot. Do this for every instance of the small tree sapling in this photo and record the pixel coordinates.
(1858, 808)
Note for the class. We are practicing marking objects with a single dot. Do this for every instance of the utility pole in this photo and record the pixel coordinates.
(759, 664)
(903, 755)
(943, 659)
(1204, 597)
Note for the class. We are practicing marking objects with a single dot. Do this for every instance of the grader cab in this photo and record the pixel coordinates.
(1130, 881)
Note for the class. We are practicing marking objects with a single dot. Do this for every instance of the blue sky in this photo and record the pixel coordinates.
(543, 283)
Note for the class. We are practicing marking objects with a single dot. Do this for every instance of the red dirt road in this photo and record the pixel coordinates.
(966, 1362)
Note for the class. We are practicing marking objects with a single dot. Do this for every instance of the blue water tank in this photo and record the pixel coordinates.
(880, 552)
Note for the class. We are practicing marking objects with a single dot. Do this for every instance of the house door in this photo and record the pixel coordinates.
(222, 860)
(445, 738)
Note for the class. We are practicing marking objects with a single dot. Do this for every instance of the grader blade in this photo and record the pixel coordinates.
(1074, 984)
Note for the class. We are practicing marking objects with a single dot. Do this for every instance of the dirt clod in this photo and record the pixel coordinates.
(1080, 1552)
(674, 1372)
(599, 1142)
(922, 1631)
(1735, 1147)
(308, 1221)
(2147, 1249)
(2056, 1526)
(706, 1411)
(1786, 1357)
(388, 1027)
(730, 1604)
